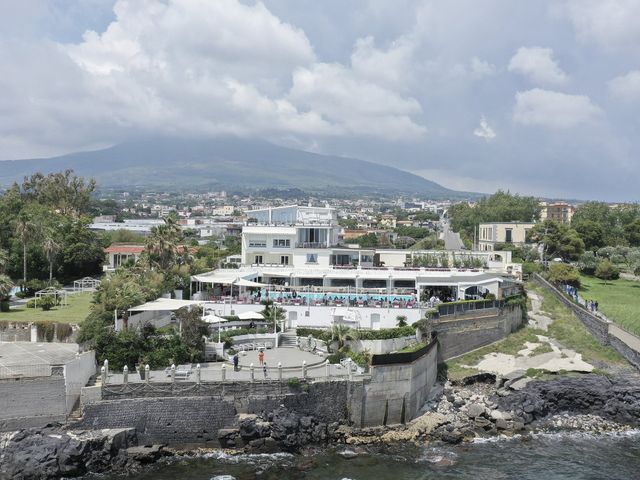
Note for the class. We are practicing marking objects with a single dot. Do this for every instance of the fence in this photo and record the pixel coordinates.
(402, 357)
(447, 309)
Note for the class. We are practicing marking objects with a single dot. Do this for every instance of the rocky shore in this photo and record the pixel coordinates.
(480, 406)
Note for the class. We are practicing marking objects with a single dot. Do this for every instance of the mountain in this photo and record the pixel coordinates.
(172, 164)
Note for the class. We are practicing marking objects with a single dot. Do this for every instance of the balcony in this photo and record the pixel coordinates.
(311, 245)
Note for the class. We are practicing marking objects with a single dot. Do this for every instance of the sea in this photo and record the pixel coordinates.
(535, 457)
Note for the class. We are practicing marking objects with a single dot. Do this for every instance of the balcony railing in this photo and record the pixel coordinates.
(311, 245)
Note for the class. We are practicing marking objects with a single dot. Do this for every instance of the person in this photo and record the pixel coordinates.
(261, 357)
(595, 305)
(236, 361)
(264, 369)
(252, 325)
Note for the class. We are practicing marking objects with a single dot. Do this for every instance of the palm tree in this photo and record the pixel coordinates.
(162, 244)
(51, 249)
(341, 333)
(273, 314)
(5, 288)
(4, 260)
(126, 296)
(25, 231)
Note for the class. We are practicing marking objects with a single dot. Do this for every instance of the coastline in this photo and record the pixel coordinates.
(481, 408)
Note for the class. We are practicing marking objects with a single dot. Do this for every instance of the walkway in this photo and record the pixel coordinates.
(452, 240)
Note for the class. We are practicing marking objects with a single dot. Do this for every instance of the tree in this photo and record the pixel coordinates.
(588, 263)
(632, 232)
(368, 240)
(4, 260)
(5, 289)
(26, 231)
(340, 333)
(402, 320)
(63, 191)
(51, 248)
(559, 240)
(564, 273)
(162, 244)
(273, 314)
(193, 330)
(606, 270)
(592, 233)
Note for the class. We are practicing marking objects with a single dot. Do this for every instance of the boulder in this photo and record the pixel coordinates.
(475, 410)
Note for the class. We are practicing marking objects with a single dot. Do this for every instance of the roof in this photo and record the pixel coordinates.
(164, 305)
(33, 353)
(125, 248)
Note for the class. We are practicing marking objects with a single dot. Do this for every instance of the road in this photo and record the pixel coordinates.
(452, 240)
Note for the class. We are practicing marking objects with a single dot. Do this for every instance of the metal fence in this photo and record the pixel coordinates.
(446, 309)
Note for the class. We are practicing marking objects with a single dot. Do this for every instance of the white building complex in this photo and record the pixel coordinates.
(295, 256)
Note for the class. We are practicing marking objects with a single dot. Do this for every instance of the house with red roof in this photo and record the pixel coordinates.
(119, 253)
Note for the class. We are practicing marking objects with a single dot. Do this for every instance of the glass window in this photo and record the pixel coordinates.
(312, 258)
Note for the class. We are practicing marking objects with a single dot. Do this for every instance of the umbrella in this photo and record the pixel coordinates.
(250, 316)
(214, 319)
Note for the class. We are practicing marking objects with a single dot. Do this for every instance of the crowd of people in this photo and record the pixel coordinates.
(591, 305)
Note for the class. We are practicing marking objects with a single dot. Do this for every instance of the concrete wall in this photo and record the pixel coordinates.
(77, 373)
(460, 335)
(393, 386)
(32, 401)
(376, 347)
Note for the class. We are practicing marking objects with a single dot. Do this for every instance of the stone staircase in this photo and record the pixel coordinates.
(288, 339)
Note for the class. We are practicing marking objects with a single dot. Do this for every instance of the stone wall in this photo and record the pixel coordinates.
(607, 333)
(194, 413)
(32, 401)
(460, 335)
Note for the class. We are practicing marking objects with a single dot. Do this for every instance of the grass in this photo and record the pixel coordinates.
(75, 312)
(570, 332)
(619, 300)
(542, 348)
(412, 348)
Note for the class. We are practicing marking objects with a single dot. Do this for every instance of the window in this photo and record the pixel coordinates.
(509, 235)
(312, 258)
(281, 243)
(257, 243)
(258, 259)
(284, 260)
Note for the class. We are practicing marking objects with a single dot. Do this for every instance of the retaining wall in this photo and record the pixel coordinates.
(607, 333)
(32, 401)
(460, 335)
(192, 413)
(376, 347)
(77, 373)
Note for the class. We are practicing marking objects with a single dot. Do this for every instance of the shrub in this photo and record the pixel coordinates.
(46, 303)
(529, 268)
(63, 331)
(386, 333)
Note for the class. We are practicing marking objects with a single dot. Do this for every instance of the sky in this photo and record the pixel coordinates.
(536, 97)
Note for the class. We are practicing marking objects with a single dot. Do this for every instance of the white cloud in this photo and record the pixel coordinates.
(553, 109)
(355, 105)
(391, 67)
(626, 87)
(481, 68)
(612, 24)
(538, 65)
(484, 130)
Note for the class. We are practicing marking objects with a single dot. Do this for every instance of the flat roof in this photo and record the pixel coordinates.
(34, 353)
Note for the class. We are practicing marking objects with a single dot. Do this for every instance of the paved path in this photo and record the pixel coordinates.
(289, 357)
(452, 240)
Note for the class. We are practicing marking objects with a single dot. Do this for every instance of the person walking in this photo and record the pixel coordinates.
(264, 369)
(261, 357)
(236, 361)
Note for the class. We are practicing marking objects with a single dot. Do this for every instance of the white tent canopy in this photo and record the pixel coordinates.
(250, 316)
(248, 283)
(211, 318)
(164, 305)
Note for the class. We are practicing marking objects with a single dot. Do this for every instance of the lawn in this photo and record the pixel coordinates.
(75, 312)
(619, 300)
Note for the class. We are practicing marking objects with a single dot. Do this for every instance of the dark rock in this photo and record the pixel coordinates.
(502, 424)
(453, 437)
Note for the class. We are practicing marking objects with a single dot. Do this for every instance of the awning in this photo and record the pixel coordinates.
(164, 305)
(221, 279)
(250, 316)
(248, 283)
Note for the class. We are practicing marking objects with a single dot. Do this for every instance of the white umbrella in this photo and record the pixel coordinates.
(211, 318)
(250, 316)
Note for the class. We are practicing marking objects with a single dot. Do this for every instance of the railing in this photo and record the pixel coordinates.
(311, 245)
(455, 308)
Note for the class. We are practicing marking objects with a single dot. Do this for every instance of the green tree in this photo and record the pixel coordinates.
(273, 314)
(367, 241)
(632, 232)
(588, 263)
(26, 231)
(4, 260)
(63, 191)
(559, 240)
(564, 274)
(606, 270)
(162, 243)
(592, 233)
(341, 333)
(51, 249)
(5, 288)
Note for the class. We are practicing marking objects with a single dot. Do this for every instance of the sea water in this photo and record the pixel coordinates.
(542, 457)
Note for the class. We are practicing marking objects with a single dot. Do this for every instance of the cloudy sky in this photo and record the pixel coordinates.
(538, 97)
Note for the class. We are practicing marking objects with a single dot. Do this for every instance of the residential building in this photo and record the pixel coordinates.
(560, 212)
(119, 253)
(491, 234)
